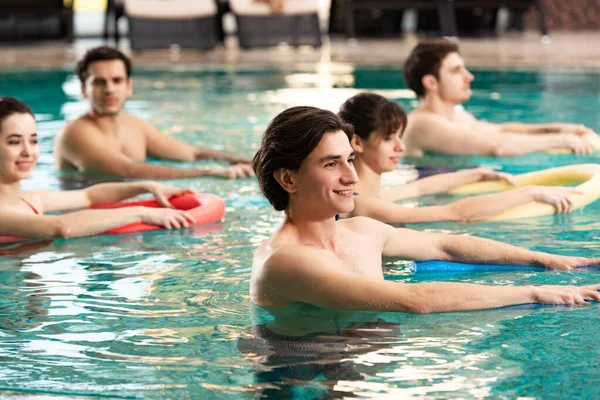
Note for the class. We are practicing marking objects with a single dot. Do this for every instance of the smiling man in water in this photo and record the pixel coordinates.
(305, 168)
(106, 139)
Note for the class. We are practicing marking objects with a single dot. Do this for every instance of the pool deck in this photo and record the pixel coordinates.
(565, 49)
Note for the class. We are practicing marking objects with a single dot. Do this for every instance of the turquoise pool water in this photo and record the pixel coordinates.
(167, 314)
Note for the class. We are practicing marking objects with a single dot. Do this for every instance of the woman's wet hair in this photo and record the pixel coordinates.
(10, 106)
(372, 114)
(289, 139)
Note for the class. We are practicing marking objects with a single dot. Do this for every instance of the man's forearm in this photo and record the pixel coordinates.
(517, 127)
(203, 154)
(150, 171)
(450, 296)
(485, 251)
(518, 144)
(552, 127)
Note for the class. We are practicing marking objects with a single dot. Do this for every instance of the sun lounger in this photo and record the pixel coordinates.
(36, 19)
(258, 26)
(157, 24)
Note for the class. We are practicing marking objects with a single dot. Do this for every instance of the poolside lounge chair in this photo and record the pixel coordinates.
(258, 26)
(155, 24)
(445, 10)
(36, 19)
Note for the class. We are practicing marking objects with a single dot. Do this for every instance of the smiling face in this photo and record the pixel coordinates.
(19, 149)
(380, 152)
(107, 87)
(454, 82)
(324, 183)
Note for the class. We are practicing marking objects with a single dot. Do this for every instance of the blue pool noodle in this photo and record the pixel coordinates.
(453, 267)
(436, 266)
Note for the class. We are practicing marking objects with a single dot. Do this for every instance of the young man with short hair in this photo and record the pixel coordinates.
(305, 168)
(436, 72)
(106, 139)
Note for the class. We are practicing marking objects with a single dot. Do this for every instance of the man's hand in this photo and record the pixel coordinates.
(566, 263)
(578, 144)
(569, 295)
(234, 171)
(575, 129)
(232, 159)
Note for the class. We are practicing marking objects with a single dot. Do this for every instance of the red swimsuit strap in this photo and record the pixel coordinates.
(32, 207)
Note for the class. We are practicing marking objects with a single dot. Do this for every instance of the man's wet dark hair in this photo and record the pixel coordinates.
(289, 139)
(10, 106)
(103, 53)
(426, 59)
(370, 113)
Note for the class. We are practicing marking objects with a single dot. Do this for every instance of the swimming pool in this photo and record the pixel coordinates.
(167, 314)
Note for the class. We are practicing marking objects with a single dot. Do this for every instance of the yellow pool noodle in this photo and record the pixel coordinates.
(585, 176)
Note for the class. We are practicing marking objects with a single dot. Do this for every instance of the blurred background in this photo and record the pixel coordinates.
(27, 20)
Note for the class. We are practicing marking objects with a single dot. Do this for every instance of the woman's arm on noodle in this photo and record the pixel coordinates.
(89, 222)
(442, 183)
(488, 205)
(104, 193)
(465, 210)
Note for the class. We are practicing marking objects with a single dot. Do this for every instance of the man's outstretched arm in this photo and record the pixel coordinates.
(90, 153)
(160, 145)
(442, 136)
(300, 274)
(414, 245)
(552, 127)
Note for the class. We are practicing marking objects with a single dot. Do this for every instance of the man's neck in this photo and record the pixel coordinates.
(435, 104)
(317, 232)
(369, 181)
(108, 123)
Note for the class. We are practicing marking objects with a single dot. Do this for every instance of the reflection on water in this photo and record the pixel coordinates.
(303, 343)
(167, 314)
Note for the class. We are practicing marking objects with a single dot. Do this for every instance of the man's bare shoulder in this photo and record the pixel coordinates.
(274, 266)
(420, 119)
(89, 122)
(285, 247)
(277, 251)
(82, 123)
(72, 135)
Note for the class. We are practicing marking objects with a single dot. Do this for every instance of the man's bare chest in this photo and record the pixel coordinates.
(129, 143)
(362, 259)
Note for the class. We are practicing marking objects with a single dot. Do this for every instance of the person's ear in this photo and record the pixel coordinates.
(357, 143)
(129, 87)
(286, 179)
(83, 91)
(429, 82)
